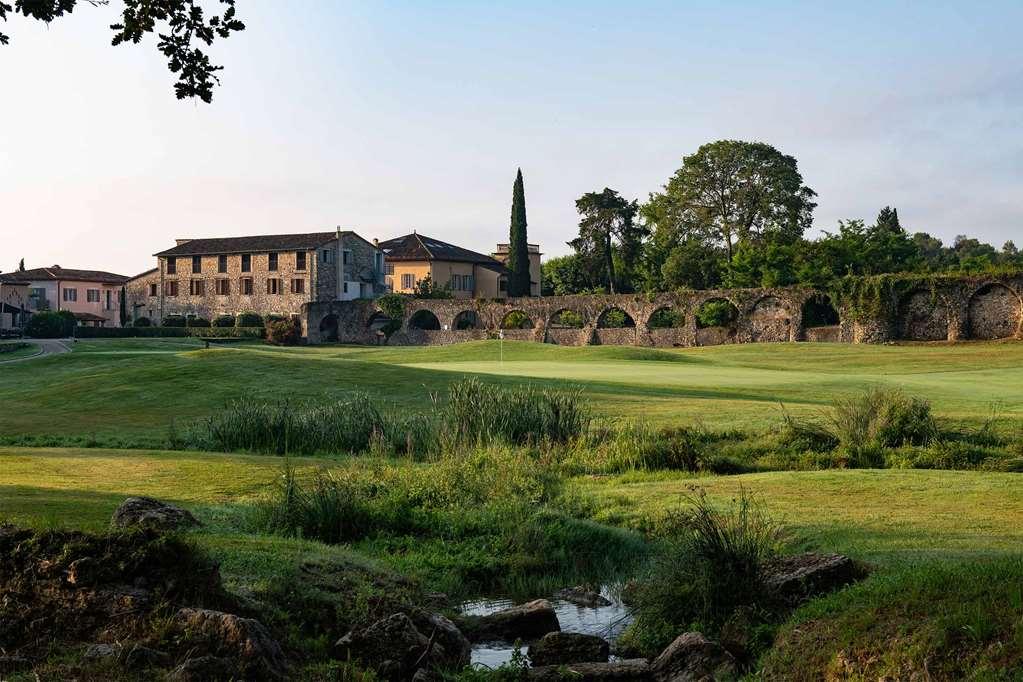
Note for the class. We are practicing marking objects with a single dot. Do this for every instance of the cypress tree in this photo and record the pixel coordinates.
(518, 247)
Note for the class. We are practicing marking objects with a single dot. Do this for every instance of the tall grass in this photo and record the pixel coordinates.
(880, 418)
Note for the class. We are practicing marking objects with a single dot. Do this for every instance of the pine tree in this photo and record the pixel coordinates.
(888, 219)
(518, 246)
(21, 265)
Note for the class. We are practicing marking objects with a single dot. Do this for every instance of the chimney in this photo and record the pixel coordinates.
(376, 242)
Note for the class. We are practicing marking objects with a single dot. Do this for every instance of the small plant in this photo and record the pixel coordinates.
(173, 321)
(284, 332)
(142, 322)
(716, 313)
(50, 325)
(666, 318)
(249, 319)
(880, 418)
(197, 322)
(223, 321)
(516, 319)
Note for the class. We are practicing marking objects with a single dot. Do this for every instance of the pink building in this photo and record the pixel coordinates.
(93, 296)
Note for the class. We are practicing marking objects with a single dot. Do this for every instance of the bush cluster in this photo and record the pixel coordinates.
(51, 325)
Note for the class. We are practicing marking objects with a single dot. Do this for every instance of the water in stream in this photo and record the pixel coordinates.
(604, 621)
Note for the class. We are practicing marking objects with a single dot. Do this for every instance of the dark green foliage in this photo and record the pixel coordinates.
(666, 318)
(173, 321)
(518, 243)
(615, 318)
(124, 306)
(392, 305)
(716, 313)
(427, 288)
(11, 347)
(610, 239)
(50, 325)
(197, 322)
(566, 275)
(285, 332)
(880, 418)
(516, 319)
(424, 319)
(142, 322)
(224, 321)
(566, 318)
(249, 319)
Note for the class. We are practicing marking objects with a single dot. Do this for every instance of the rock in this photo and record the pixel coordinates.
(393, 646)
(631, 670)
(795, 578)
(203, 669)
(457, 650)
(580, 596)
(525, 621)
(693, 657)
(96, 652)
(140, 657)
(556, 648)
(244, 639)
(149, 513)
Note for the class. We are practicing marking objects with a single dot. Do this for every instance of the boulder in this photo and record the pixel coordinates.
(456, 649)
(97, 652)
(580, 596)
(792, 579)
(203, 669)
(392, 646)
(692, 657)
(140, 657)
(149, 513)
(524, 621)
(629, 670)
(556, 648)
(243, 639)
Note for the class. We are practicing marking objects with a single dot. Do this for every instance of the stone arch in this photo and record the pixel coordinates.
(566, 318)
(923, 316)
(378, 321)
(516, 319)
(666, 317)
(466, 320)
(329, 328)
(994, 312)
(819, 311)
(770, 319)
(615, 318)
(716, 319)
(424, 319)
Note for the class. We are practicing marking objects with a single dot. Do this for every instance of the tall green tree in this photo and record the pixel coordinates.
(518, 243)
(609, 233)
(21, 265)
(729, 193)
(888, 219)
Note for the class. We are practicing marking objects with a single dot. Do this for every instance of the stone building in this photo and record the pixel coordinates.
(535, 280)
(92, 296)
(265, 274)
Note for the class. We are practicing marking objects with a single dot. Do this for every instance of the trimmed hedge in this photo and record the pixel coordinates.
(169, 332)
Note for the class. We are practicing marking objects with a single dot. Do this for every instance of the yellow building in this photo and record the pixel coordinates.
(411, 259)
(535, 280)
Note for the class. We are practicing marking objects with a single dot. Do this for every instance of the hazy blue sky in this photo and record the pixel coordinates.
(383, 117)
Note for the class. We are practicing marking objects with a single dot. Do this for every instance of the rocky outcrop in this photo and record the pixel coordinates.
(556, 648)
(630, 670)
(524, 621)
(395, 648)
(244, 640)
(582, 596)
(455, 650)
(691, 658)
(792, 579)
(149, 513)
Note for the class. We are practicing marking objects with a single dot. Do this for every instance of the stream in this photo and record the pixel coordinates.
(604, 621)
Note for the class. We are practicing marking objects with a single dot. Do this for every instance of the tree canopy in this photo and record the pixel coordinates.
(183, 27)
(519, 281)
(610, 241)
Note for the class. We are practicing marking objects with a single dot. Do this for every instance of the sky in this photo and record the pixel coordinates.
(384, 117)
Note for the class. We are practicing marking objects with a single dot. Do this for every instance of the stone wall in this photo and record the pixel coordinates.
(952, 309)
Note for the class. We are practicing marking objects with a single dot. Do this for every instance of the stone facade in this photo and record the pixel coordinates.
(954, 309)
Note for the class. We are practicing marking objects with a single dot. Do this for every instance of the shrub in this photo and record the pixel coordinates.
(142, 322)
(50, 325)
(249, 319)
(666, 318)
(568, 318)
(173, 321)
(716, 313)
(392, 305)
(880, 418)
(478, 412)
(709, 571)
(283, 332)
(197, 322)
(224, 321)
(516, 319)
(616, 319)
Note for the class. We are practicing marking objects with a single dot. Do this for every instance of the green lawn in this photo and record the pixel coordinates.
(28, 350)
(134, 388)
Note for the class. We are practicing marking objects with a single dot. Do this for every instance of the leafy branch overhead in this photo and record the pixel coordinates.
(183, 27)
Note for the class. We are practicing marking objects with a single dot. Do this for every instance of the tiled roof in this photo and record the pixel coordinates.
(415, 246)
(143, 274)
(255, 244)
(59, 273)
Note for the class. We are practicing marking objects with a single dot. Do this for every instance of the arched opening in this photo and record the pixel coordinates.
(716, 312)
(516, 319)
(666, 318)
(994, 312)
(425, 320)
(770, 320)
(565, 319)
(466, 320)
(923, 316)
(378, 321)
(818, 311)
(328, 328)
(615, 318)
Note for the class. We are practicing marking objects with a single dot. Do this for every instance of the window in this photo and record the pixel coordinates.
(456, 282)
(223, 287)
(300, 260)
(196, 264)
(153, 289)
(246, 286)
(298, 286)
(196, 287)
(408, 281)
(171, 288)
(172, 266)
(221, 264)
(389, 269)
(70, 295)
(246, 262)
(92, 295)
(328, 256)
(272, 265)
(346, 287)
(502, 284)
(345, 256)
(273, 286)
(467, 283)
(109, 299)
